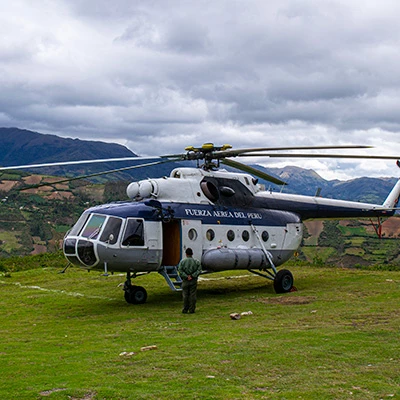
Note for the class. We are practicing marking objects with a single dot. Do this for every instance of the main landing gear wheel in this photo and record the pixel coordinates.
(283, 281)
(135, 295)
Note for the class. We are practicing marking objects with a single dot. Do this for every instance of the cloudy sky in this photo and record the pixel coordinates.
(159, 75)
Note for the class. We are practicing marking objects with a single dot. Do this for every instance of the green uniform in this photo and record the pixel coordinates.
(189, 267)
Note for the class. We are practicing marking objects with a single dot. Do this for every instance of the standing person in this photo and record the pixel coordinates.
(189, 270)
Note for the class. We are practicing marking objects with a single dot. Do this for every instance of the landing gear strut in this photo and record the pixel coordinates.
(283, 279)
(134, 294)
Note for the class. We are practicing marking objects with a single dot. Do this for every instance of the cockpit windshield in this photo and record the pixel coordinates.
(93, 227)
(107, 229)
(79, 224)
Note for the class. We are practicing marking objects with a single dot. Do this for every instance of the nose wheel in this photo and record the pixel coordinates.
(134, 294)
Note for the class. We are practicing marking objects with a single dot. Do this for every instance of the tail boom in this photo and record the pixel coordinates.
(309, 207)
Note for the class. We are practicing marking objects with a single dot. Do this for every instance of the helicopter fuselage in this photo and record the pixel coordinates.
(215, 213)
(139, 237)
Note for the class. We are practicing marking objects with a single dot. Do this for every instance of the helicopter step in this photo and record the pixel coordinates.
(170, 274)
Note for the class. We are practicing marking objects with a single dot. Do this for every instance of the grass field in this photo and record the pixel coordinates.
(322, 253)
(9, 240)
(337, 337)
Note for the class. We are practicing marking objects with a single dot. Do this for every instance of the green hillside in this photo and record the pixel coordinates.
(35, 220)
(353, 243)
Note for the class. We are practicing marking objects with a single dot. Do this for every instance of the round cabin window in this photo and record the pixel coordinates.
(245, 236)
(265, 236)
(192, 234)
(210, 235)
(230, 235)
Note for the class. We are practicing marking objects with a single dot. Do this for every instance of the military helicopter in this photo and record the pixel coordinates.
(226, 218)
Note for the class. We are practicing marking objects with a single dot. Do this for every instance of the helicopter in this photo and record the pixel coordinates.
(227, 219)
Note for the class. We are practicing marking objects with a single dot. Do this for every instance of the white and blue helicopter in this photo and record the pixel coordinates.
(226, 218)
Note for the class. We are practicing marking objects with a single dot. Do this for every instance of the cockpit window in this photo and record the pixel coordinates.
(79, 225)
(111, 230)
(134, 233)
(93, 227)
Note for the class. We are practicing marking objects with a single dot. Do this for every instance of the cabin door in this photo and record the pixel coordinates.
(171, 243)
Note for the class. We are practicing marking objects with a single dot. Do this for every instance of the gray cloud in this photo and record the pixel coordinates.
(160, 75)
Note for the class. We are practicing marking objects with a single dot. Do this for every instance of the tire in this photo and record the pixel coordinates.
(136, 295)
(127, 295)
(283, 281)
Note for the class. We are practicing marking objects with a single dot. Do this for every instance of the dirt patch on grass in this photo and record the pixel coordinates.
(51, 179)
(349, 261)
(60, 196)
(41, 190)
(314, 227)
(32, 179)
(6, 186)
(87, 396)
(62, 186)
(391, 227)
(39, 249)
(51, 391)
(288, 300)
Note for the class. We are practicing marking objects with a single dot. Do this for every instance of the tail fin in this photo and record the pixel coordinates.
(393, 198)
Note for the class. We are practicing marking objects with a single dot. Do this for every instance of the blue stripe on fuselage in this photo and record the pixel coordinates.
(208, 214)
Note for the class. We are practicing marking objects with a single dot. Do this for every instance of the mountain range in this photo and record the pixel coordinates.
(20, 146)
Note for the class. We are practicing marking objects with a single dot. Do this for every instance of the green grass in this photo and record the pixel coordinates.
(62, 228)
(10, 176)
(335, 338)
(355, 251)
(9, 240)
(311, 241)
(323, 253)
(355, 241)
(353, 230)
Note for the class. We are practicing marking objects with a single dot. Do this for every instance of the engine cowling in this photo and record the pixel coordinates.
(142, 189)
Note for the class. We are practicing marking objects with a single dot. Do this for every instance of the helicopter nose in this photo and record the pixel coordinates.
(86, 252)
(80, 252)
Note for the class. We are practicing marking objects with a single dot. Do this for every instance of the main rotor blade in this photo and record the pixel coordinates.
(220, 154)
(178, 157)
(238, 152)
(312, 155)
(253, 171)
(111, 171)
(63, 163)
